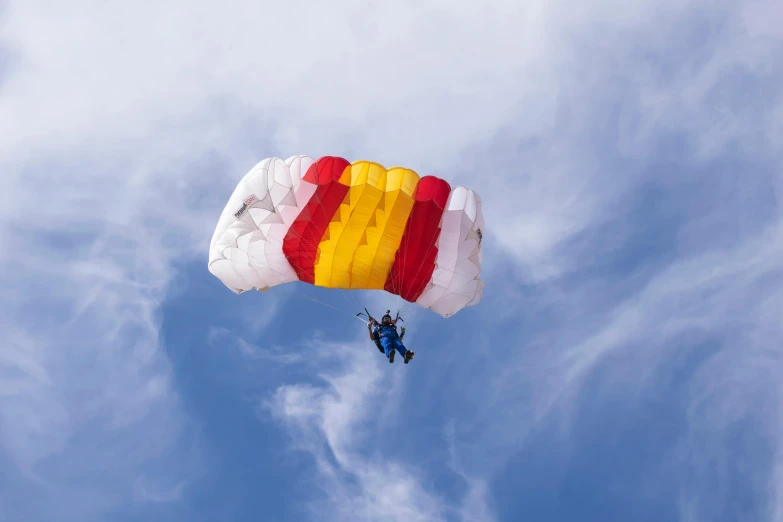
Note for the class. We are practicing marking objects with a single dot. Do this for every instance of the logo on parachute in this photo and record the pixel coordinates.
(480, 235)
(249, 201)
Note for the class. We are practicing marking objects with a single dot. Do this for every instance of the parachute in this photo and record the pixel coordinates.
(335, 224)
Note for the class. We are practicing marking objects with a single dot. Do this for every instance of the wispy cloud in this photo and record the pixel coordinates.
(118, 157)
(88, 402)
(707, 324)
(223, 338)
(359, 477)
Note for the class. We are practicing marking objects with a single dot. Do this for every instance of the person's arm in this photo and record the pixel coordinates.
(369, 331)
(402, 333)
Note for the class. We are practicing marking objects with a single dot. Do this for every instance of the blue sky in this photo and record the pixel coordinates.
(624, 363)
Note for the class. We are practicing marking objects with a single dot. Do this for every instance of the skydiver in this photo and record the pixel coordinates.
(386, 339)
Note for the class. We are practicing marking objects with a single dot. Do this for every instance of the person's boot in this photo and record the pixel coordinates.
(408, 356)
(391, 356)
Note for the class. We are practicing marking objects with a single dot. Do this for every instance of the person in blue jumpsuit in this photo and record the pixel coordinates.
(386, 339)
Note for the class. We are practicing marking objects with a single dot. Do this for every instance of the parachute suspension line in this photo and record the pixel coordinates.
(311, 298)
(351, 302)
(349, 298)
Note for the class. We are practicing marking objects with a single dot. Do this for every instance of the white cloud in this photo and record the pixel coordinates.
(337, 423)
(124, 127)
(224, 339)
(88, 404)
(731, 298)
(341, 80)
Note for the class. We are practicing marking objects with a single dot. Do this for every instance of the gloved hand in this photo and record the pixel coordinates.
(402, 330)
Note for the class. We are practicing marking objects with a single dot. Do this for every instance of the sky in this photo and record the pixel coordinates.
(624, 363)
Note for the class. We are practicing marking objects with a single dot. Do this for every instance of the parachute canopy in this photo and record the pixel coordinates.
(356, 225)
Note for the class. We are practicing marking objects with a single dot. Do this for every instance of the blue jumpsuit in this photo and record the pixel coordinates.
(389, 339)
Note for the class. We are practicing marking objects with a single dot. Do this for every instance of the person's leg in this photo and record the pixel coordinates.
(388, 348)
(406, 354)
